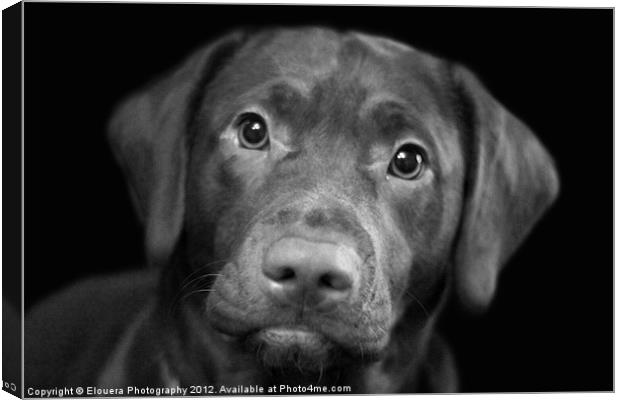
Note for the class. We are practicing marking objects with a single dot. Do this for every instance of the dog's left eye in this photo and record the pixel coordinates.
(252, 132)
(408, 162)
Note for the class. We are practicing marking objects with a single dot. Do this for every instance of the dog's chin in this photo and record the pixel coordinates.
(294, 348)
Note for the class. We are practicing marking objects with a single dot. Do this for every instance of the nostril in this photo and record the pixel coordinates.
(286, 273)
(280, 274)
(335, 281)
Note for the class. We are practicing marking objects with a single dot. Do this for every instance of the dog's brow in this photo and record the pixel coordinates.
(283, 85)
(392, 116)
(285, 96)
(280, 96)
(381, 100)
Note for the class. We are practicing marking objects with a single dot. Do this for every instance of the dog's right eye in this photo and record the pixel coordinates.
(408, 162)
(252, 132)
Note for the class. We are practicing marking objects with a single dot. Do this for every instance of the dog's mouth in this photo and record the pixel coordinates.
(282, 341)
(294, 347)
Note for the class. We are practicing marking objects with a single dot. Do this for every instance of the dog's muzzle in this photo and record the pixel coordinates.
(298, 292)
(310, 277)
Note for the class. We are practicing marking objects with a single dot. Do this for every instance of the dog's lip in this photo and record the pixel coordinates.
(293, 346)
(238, 329)
(295, 334)
(299, 335)
(279, 334)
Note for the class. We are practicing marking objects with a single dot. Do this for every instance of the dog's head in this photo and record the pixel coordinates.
(325, 189)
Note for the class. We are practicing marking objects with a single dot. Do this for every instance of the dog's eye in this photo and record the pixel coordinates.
(408, 162)
(253, 132)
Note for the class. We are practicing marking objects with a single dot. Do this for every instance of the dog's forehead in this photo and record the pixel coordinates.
(316, 54)
(306, 55)
(361, 65)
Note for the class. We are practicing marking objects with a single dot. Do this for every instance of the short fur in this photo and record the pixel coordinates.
(337, 106)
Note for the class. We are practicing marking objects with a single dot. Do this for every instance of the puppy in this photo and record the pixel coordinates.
(309, 198)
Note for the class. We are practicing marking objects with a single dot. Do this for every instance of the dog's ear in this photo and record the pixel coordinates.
(510, 182)
(149, 133)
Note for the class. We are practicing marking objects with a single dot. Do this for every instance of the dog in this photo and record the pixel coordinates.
(310, 198)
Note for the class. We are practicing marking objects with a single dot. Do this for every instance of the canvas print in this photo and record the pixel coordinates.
(280, 200)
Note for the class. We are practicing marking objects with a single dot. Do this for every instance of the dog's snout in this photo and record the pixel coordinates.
(313, 274)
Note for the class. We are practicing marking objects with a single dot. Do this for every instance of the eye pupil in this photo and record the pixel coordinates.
(253, 132)
(407, 163)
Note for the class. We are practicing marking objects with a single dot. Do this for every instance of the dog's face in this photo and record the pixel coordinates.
(329, 185)
(333, 186)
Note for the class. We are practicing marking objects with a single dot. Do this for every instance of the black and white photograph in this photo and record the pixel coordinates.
(236, 199)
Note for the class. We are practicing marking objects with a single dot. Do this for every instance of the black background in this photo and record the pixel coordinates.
(550, 326)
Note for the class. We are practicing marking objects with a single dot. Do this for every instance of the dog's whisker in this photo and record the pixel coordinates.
(180, 293)
(320, 373)
(189, 281)
(189, 286)
(414, 297)
(179, 300)
(196, 280)
(258, 349)
(202, 290)
(298, 364)
(188, 295)
(201, 269)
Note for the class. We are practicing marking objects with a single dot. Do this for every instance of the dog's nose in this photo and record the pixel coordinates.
(313, 274)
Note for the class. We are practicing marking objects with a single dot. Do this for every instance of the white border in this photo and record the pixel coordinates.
(497, 3)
